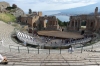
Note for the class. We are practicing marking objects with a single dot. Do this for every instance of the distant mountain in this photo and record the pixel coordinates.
(50, 12)
(82, 10)
(79, 10)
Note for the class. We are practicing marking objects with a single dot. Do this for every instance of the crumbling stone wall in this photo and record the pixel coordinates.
(92, 22)
(36, 20)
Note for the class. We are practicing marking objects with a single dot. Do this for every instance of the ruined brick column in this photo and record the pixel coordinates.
(71, 20)
(71, 23)
(74, 25)
(77, 23)
(55, 23)
(96, 14)
(80, 24)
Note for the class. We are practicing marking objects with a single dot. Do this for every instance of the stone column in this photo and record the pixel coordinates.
(74, 25)
(77, 23)
(55, 22)
(70, 23)
(51, 22)
(87, 23)
(80, 24)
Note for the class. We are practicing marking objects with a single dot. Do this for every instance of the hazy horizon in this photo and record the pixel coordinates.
(45, 5)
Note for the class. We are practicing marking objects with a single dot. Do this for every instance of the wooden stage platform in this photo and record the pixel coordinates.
(60, 34)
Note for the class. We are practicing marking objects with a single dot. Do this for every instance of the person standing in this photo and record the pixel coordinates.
(1, 41)
(70, 49)
(24, 43)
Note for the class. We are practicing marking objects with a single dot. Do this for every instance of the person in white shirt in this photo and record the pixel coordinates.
(3, 60)
(24, 43)
(71, 49)
(1, 41)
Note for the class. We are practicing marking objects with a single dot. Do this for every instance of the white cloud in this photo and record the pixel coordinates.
(42, 5)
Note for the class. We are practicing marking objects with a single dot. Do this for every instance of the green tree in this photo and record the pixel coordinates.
(30, 11)
(59, 22)
(65, 23)
(62, 23)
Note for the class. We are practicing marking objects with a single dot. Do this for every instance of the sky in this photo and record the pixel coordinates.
(46, 5)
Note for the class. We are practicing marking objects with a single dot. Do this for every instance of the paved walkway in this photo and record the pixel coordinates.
(5, 34)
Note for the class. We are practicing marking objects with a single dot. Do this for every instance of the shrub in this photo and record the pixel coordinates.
(6, 17)
(9, 8)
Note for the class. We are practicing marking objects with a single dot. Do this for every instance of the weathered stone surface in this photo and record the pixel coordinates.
(3, 5)
(16, 12)
(41, 22)
(92, 21)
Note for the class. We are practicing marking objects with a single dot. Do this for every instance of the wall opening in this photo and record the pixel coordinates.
(83, 25)
(45, 23)
(34, 25)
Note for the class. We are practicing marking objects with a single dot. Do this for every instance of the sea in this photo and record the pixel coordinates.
(60, 17)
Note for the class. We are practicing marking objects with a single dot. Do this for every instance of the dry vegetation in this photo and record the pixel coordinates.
(6, 17)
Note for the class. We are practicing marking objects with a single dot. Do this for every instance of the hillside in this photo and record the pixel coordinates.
(6, 17)
(14, 10)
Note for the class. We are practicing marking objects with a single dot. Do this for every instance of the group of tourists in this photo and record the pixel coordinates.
(51, 40)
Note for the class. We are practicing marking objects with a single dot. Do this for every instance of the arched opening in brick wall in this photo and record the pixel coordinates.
(34, 25)
(83, 24)
(91, 24)
(45, 23)
(34, 28)
(26, 22)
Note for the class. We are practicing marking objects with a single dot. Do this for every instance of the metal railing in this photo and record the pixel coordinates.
(29, 49)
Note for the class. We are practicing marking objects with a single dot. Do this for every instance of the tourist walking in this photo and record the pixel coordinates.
(24, 43)
(70, 50)
(1, 42)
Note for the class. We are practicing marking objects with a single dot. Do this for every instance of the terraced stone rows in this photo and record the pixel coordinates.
(5, 34)
(33, 59)
(85, 59)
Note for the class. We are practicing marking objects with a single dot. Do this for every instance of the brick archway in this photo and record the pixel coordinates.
(34, 25)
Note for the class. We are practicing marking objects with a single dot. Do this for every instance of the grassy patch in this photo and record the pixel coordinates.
(6, 17)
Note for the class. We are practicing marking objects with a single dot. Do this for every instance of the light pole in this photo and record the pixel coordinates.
(32, 31)
(91, 41)
(60, 48)
(81, 48)
(38, 48)
(82, 45)
(49, 49)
